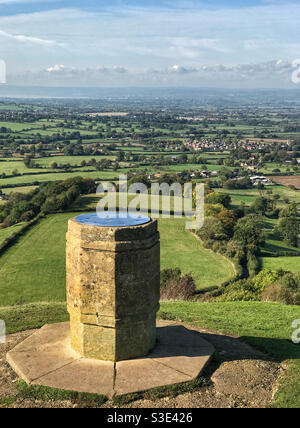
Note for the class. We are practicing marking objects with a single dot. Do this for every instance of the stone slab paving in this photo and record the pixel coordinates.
(46, 358)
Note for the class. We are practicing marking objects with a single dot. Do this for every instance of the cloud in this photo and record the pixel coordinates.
(180, 45)
(279, 71)
(277, 67)
(28, 39)
(62, 75)
(60, 69)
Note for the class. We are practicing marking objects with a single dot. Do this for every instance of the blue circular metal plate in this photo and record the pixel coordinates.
(113, 219)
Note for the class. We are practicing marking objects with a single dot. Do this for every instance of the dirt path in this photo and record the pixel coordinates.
(241, 376)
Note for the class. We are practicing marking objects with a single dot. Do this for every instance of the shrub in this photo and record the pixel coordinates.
(279, 293)
(167, 275)
(218, 198)
(242, 290)
(212, 230)
(265, 278)
(291, 281)
(268, 285)
(178, 289)
(219, 247)
(252, 264)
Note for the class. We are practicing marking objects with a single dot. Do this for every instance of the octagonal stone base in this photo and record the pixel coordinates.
(46, 358)
(113, 289)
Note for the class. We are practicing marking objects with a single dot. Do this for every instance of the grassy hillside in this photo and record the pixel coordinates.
(33, 269)
(179, 248)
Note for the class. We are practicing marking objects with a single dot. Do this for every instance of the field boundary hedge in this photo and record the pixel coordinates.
(281, 254)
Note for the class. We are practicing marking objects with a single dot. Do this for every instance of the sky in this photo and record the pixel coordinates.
(150, 43)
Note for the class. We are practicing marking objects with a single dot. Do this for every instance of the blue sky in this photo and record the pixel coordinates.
(217, 43)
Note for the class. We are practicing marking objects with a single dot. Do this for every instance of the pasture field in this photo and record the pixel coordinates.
(51, 176)
(17, 127)
(33, 269)
(179, 248)
(9, 166)
(72, 160)
(248, 195)
(11, 107)
(291, 264)
(270, 166)
(24, 189)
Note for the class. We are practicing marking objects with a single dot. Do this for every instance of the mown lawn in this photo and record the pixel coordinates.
(33, 269)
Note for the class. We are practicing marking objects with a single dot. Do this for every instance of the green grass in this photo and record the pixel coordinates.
(45, 393)
(35, 315)
(248, 195)
(266, 326)
(291, 264)
(179, 248)
(15, 126)
(6, 402)
(24, 179)
(72, 160)
(8, 231)
(9, 167)
(23, 189)
(33, 270)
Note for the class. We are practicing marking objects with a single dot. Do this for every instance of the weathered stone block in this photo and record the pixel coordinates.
(113, 288)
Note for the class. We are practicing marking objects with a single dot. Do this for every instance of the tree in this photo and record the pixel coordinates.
(248, 232)
(289, 225)
(212, 230)
(29, 162)
(218, 198)
(53, 165)
(140, 179)
(263, 206)
(290, 211)
(228, 220)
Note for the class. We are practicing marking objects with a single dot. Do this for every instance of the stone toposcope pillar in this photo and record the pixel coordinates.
(113, 285)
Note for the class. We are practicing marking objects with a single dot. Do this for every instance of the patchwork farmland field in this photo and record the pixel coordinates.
(288, 181)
